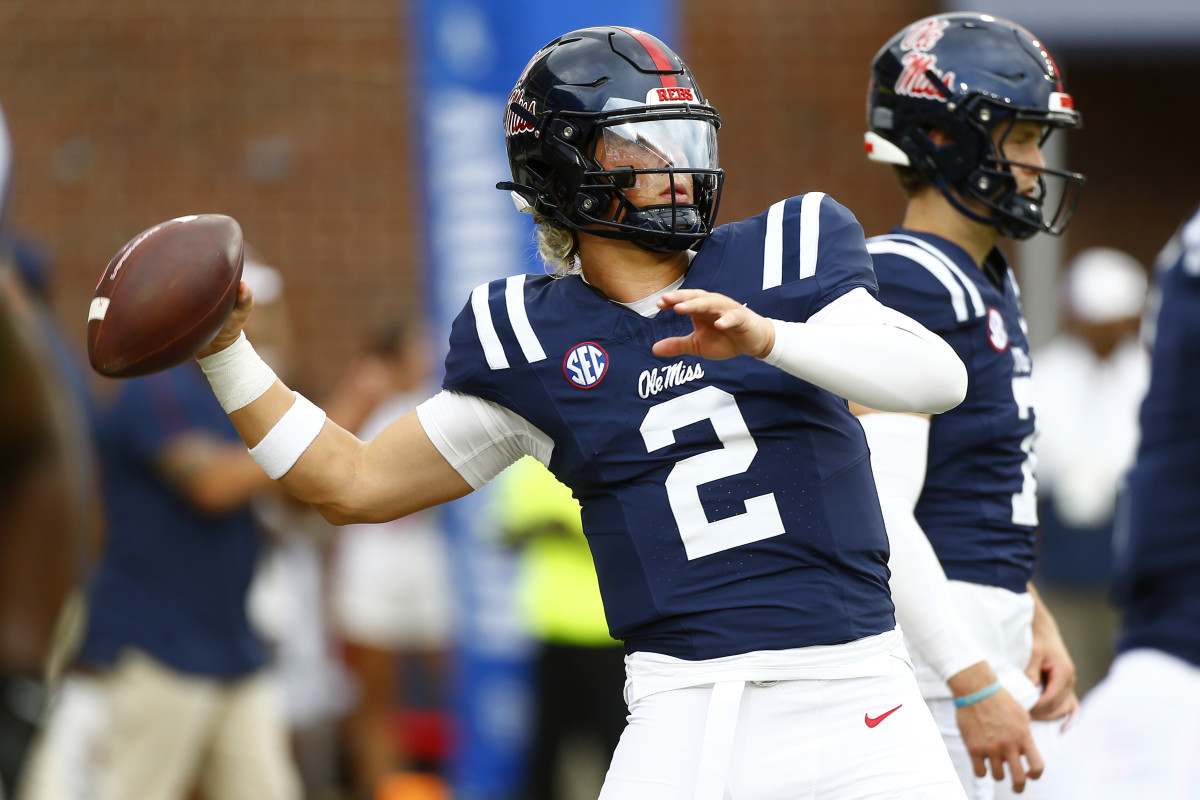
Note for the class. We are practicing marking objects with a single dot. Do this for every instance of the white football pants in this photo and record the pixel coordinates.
(847, 739)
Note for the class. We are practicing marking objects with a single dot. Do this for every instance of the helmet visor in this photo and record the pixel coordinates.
(655, 146)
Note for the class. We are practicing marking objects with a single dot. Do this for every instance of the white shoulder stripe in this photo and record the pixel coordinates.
(493, 350)
(810, 232)
(1012, 281)
(773, 247)
(514, 298)
(936, 267)
(972, 290)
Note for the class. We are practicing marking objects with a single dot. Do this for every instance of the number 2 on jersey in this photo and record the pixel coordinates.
(701, 537)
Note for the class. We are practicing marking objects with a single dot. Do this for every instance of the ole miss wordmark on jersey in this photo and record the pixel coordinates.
(978, 506)
(1158, 564)
(730, 507)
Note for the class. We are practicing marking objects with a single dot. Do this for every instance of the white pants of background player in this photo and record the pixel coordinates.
(736, 739)
(1002, 624)
(1138, 733)
(391, 586)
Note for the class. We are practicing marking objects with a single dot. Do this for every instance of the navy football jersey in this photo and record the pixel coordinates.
(729, 506)
(978, 506)
(1158, 562)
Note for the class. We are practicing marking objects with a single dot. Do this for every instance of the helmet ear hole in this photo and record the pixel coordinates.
(539, 170)
(919, 144)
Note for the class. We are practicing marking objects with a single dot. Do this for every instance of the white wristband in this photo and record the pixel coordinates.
(286, 442)
(237, 374)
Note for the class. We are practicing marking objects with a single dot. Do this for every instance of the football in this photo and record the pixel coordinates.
(164, 295)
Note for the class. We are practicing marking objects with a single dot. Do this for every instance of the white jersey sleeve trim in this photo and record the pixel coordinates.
(480, 438)
(493, 350)
(810, 232)
(860, 349)
(1012, 281)
(959, 286)
(773, 247)
(514, 298)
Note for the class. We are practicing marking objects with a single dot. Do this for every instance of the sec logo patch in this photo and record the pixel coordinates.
(585, 365)
(997, 333)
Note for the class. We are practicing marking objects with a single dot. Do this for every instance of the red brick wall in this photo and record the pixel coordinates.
(1136, 148)
(790, 81)
(295, 117)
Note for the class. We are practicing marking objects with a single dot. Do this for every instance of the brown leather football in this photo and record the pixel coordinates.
(165, 295)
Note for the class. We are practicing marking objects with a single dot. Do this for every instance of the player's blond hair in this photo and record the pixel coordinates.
(557, 245)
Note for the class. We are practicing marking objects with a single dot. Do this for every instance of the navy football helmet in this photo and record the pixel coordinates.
(620, 96)
(967, 75)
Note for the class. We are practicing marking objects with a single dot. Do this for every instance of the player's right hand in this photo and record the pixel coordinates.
(721, 327)
(996, 732)
(233, 325)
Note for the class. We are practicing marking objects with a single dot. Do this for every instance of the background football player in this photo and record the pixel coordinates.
(728, 502)
(961, 104)
(1139, 727)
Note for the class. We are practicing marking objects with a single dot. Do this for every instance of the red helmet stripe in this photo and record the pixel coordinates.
(657, 55)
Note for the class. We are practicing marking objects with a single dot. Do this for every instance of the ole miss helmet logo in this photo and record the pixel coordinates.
(919, 62)
(585, 365)
(924, 35)
(514, 124)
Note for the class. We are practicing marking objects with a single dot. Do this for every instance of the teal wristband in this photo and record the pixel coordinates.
(974, 697)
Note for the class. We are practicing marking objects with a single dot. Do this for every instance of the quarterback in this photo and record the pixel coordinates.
(686, 382)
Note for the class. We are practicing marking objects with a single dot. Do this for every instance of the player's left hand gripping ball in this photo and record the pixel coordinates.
(165, 295)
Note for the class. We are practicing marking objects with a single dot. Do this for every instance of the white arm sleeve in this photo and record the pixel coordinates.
(864, 351)
(478, 437)
(924, 606)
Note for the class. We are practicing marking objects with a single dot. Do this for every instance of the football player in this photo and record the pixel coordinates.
(687, 383)
(1139, 729)
(961, 104)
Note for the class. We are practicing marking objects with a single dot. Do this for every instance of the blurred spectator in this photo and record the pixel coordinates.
(288, 597)
(580, 670)
(47, 491)
(391, 595)
(171, 691)
(1139, 732)
(1089, 381)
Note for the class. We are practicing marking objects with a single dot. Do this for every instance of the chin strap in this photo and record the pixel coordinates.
(1010, 225)
(659, 233)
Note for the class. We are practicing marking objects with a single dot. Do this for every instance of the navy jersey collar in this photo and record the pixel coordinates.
(995, 265)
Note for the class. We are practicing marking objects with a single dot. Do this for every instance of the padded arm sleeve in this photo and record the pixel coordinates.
(924, 606)
(860, 349)
(478, 437)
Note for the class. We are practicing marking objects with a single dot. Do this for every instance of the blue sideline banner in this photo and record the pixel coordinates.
(468, 54)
